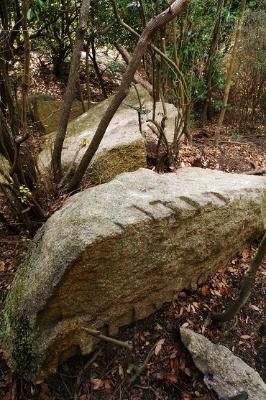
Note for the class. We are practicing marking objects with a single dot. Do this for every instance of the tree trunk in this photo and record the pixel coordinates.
(152, 26)
(231, 69)
(137, 77)
(70, 90)
(96, 68)
(211, 59)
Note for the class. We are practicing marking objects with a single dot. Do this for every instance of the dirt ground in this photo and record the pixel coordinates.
(167, 369)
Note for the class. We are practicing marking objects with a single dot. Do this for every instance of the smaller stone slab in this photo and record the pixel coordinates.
(123, 148)
(223, 372)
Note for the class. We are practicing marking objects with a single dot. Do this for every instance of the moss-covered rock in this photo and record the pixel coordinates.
(46, 112)
(5, 167)
(115, 252)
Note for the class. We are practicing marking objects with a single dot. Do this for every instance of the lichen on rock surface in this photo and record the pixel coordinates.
(116, 252)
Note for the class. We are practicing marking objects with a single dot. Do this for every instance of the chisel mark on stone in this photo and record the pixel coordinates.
(219, 196)
(149, 214)
(189, 201)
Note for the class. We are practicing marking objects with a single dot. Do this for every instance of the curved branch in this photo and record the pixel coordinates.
(70, 91)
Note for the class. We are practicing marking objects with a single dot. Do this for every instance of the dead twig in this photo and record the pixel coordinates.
(141, 368)
(259, 171)
(82, 372)
(99, 335)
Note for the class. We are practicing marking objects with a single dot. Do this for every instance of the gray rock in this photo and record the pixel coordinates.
(115, 252)
(224, 372)
(123, 146)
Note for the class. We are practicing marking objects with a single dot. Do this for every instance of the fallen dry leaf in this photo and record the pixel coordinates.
(97, 383)
(185, 396)
(44, 392)
(158, 346)
(121, 372)
(108, 385)
(254, 307)
(168, 377)
(2, 266)
(205, 290)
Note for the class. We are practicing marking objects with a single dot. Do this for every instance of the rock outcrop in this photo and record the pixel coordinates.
(123, 146)
(50, 112)
(115, 252)
(224, 372)
(46, 112)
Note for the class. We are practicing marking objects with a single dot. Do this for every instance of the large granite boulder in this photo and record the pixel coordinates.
(115, 252)
(123, 146)
(223, 372)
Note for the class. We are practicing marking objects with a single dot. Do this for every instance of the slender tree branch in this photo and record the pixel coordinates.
(70, 91)
(108, 339)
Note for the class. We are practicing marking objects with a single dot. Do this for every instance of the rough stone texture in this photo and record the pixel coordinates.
(4, 165)
(122, 148)
(263, 209)
(231, 375)
(47, 113)
(115, 252)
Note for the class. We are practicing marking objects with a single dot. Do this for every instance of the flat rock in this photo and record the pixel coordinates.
(226, 373)
(123, 146)
(116, 252)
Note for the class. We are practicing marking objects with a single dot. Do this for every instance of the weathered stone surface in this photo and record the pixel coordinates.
(263, 209)
(47, 113)
(229, 374)
(115, 252)
(123, 146)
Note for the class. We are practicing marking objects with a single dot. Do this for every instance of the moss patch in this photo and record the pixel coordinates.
(48, 113)
(116, 161)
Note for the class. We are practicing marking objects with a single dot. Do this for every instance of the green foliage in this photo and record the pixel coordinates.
(53, 25)
(35, 10)
(194, 30)
(140, 110)
(115, 67)
(24, 194)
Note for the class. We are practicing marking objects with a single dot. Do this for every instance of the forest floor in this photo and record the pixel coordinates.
(170, 372)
